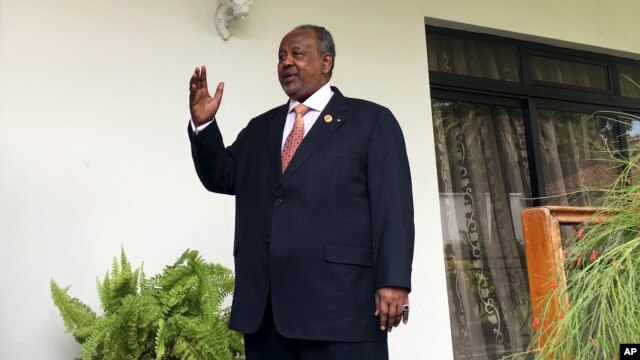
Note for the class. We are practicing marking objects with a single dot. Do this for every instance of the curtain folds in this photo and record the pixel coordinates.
(483, 180)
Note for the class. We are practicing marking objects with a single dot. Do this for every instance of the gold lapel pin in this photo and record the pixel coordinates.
(328, 118)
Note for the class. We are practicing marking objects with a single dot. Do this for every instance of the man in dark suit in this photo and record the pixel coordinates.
(324, 214)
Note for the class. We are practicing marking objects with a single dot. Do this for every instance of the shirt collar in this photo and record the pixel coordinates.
(317, 101)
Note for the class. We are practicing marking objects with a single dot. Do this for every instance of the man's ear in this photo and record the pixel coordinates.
(327, 63)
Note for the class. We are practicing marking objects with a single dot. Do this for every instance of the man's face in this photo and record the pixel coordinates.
(302, 70)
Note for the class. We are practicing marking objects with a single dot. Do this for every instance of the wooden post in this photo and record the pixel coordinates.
(545, 262)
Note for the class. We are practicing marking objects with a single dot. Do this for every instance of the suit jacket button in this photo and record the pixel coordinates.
(278, 202)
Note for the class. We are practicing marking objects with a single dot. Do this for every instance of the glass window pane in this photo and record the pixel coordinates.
(577, 156)
(632, 132)
(472, 57)
(629, 79)
(483, 180)
(565, 72)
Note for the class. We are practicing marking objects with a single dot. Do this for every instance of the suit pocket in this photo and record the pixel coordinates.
(349, 254)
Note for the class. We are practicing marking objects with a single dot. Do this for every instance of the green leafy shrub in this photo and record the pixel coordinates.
(177, 314)
(602, 276)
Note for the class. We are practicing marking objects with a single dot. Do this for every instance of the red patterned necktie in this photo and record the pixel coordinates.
(295, 136)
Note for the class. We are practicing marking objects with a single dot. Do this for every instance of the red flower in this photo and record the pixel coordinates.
(554, 284)
(580, 233)
(594, 255)
(600, 219)
(560, 314)
(564, 254)
(535, 323)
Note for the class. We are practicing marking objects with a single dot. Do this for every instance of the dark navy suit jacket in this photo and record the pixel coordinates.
(323, 236)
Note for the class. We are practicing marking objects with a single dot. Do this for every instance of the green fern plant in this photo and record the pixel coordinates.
(177, 314)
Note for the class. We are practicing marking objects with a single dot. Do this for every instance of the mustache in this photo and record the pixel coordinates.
(289, 73)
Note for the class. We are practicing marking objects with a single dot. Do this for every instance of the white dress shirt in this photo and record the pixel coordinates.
(316, 103)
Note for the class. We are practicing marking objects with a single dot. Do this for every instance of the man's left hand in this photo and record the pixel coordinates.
(389, 307)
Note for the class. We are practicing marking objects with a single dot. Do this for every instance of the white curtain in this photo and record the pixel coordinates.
(483, 179)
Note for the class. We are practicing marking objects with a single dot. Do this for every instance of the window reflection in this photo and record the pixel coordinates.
(483, 182)
(573, 73)
(629, 79)
(577, 156)
(471, 57)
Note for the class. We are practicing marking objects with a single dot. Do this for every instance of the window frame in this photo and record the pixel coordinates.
(528, 88)
(530, 95)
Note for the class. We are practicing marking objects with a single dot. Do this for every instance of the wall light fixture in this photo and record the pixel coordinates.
(229, 14)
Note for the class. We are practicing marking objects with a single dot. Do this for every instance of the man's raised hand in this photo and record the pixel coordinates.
(203, 107)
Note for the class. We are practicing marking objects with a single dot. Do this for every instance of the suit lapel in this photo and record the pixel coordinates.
(274, 138)
(321, 130)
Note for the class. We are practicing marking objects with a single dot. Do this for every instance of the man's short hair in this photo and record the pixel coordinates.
(325, 42)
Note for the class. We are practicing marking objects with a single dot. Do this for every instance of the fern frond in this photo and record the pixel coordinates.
(161, 341)
(120, 283)
(209, 297)
(142, 278)
(186, 255)
(235, 339)
(173, 315)
(172, 276)
(78, 317)
(199, 340)
(132, 328)
(91, 348)
(104, 289)
(223, 279)
(177, 299)
(125, 266)
(115, 267)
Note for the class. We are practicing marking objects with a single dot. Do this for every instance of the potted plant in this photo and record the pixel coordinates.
(177, 314)
(602, 269)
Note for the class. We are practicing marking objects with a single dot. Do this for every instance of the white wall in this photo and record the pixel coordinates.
(93, 145)
(588, 24)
